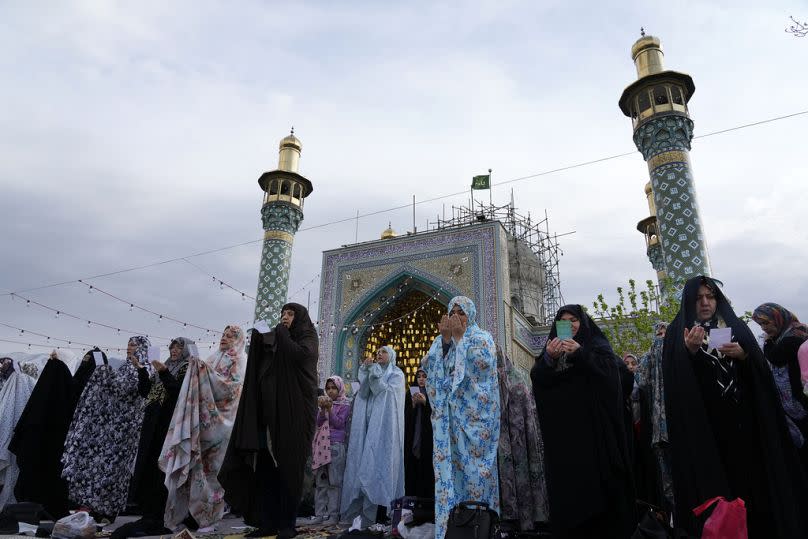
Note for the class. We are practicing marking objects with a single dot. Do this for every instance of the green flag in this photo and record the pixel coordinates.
(481, 182)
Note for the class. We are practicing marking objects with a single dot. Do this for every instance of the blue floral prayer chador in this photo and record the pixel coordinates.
(374, 470)
(464, 392)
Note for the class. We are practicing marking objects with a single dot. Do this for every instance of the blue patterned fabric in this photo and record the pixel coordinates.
(375, 465)
(464, 391)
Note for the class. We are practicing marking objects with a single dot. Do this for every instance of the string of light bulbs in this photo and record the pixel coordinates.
(302, 288)
(399, 291)
(409, 205)
(133, 306)
(90, 323)
(222, 282)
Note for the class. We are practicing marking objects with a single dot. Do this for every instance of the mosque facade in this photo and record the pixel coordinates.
(394, 291)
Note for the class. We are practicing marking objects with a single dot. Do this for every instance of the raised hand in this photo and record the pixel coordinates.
(694, 338)
(444, 328)
(554, 348)
(570, 346)
(458, 327)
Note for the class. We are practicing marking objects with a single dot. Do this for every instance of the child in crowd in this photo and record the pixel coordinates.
(329, 451)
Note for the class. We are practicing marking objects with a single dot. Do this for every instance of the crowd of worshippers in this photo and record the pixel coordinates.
(589, 446)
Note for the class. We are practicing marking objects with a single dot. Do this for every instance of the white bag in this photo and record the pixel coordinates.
(79, 525)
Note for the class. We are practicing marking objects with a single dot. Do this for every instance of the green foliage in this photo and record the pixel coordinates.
(629, 323)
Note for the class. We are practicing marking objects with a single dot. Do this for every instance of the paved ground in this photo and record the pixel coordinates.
(229, 528)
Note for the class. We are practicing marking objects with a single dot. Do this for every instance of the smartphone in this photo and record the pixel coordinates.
(563, 329)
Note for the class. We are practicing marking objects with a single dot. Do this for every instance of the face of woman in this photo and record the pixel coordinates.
(631, 363)
(228, 339)
(331, 390)
(130, 349)
(576, 324)
(382, 357)
(768, 327)
(175, 351)
(458, 311)
(420, 378)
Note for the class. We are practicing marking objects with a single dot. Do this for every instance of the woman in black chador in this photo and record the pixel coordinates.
(727, 431)
(263, 471)
(577, 384)
(39, 436)
(419, 476)
(147, 488)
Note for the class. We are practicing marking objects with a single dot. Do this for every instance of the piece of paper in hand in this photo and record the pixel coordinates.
(355, 387)
(414, 390)
(99, 359)
(154, 353)
(261, 327)
(719, 337)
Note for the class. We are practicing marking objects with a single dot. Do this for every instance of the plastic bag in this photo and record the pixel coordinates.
(79, 525)
(728, 520)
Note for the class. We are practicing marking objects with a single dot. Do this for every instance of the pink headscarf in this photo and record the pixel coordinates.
(340, 383)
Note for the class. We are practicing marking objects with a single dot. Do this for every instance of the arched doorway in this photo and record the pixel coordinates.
(409, 326)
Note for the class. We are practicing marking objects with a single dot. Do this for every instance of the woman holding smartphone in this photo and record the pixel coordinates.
(579, 396)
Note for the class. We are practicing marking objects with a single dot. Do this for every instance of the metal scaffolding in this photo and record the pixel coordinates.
(524, 228)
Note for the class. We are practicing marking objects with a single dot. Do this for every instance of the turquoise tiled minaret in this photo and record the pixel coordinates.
(657, 104)
(282, 211)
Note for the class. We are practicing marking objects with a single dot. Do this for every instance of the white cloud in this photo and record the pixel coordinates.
(136, 132)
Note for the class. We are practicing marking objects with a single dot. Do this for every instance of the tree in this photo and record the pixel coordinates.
(798, 29)
(629, 324)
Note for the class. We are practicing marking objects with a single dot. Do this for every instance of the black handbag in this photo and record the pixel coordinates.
(472, 520)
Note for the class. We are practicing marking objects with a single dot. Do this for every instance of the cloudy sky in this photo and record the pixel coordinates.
(132, 133)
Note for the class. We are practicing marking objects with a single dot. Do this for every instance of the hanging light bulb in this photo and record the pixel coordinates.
(90, 290)
(27, 302)
(243, 297)
(21, 332)
(160, 319)
(131, 307)
(57, 314)
(88, 323)
(221, 285)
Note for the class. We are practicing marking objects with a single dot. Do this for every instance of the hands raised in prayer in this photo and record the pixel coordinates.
(457, 326)
(324, 402)
(556, 347)
(694, 338)
(419, 398)
(159, 366)
(444, 328)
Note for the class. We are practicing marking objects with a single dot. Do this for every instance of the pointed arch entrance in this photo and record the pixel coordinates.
(402, 312)
(409, 326)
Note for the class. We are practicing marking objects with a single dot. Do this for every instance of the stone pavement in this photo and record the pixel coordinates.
(228, 528)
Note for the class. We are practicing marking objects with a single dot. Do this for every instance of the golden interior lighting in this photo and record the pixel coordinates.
(412, 335)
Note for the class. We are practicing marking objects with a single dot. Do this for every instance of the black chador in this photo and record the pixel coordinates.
(263, 471)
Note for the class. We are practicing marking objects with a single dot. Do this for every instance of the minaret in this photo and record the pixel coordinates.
(284, 192)
(657, 104)
(648, 227)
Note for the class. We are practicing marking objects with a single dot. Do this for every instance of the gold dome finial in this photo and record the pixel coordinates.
(389, 232)
(290, 148)
(647, 55)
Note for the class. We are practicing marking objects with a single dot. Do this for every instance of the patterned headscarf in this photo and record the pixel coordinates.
(6, 368)
(141, 352)
(468, 307)
(186, 345)
(784, 320)
(238, 343)
(340, 383)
